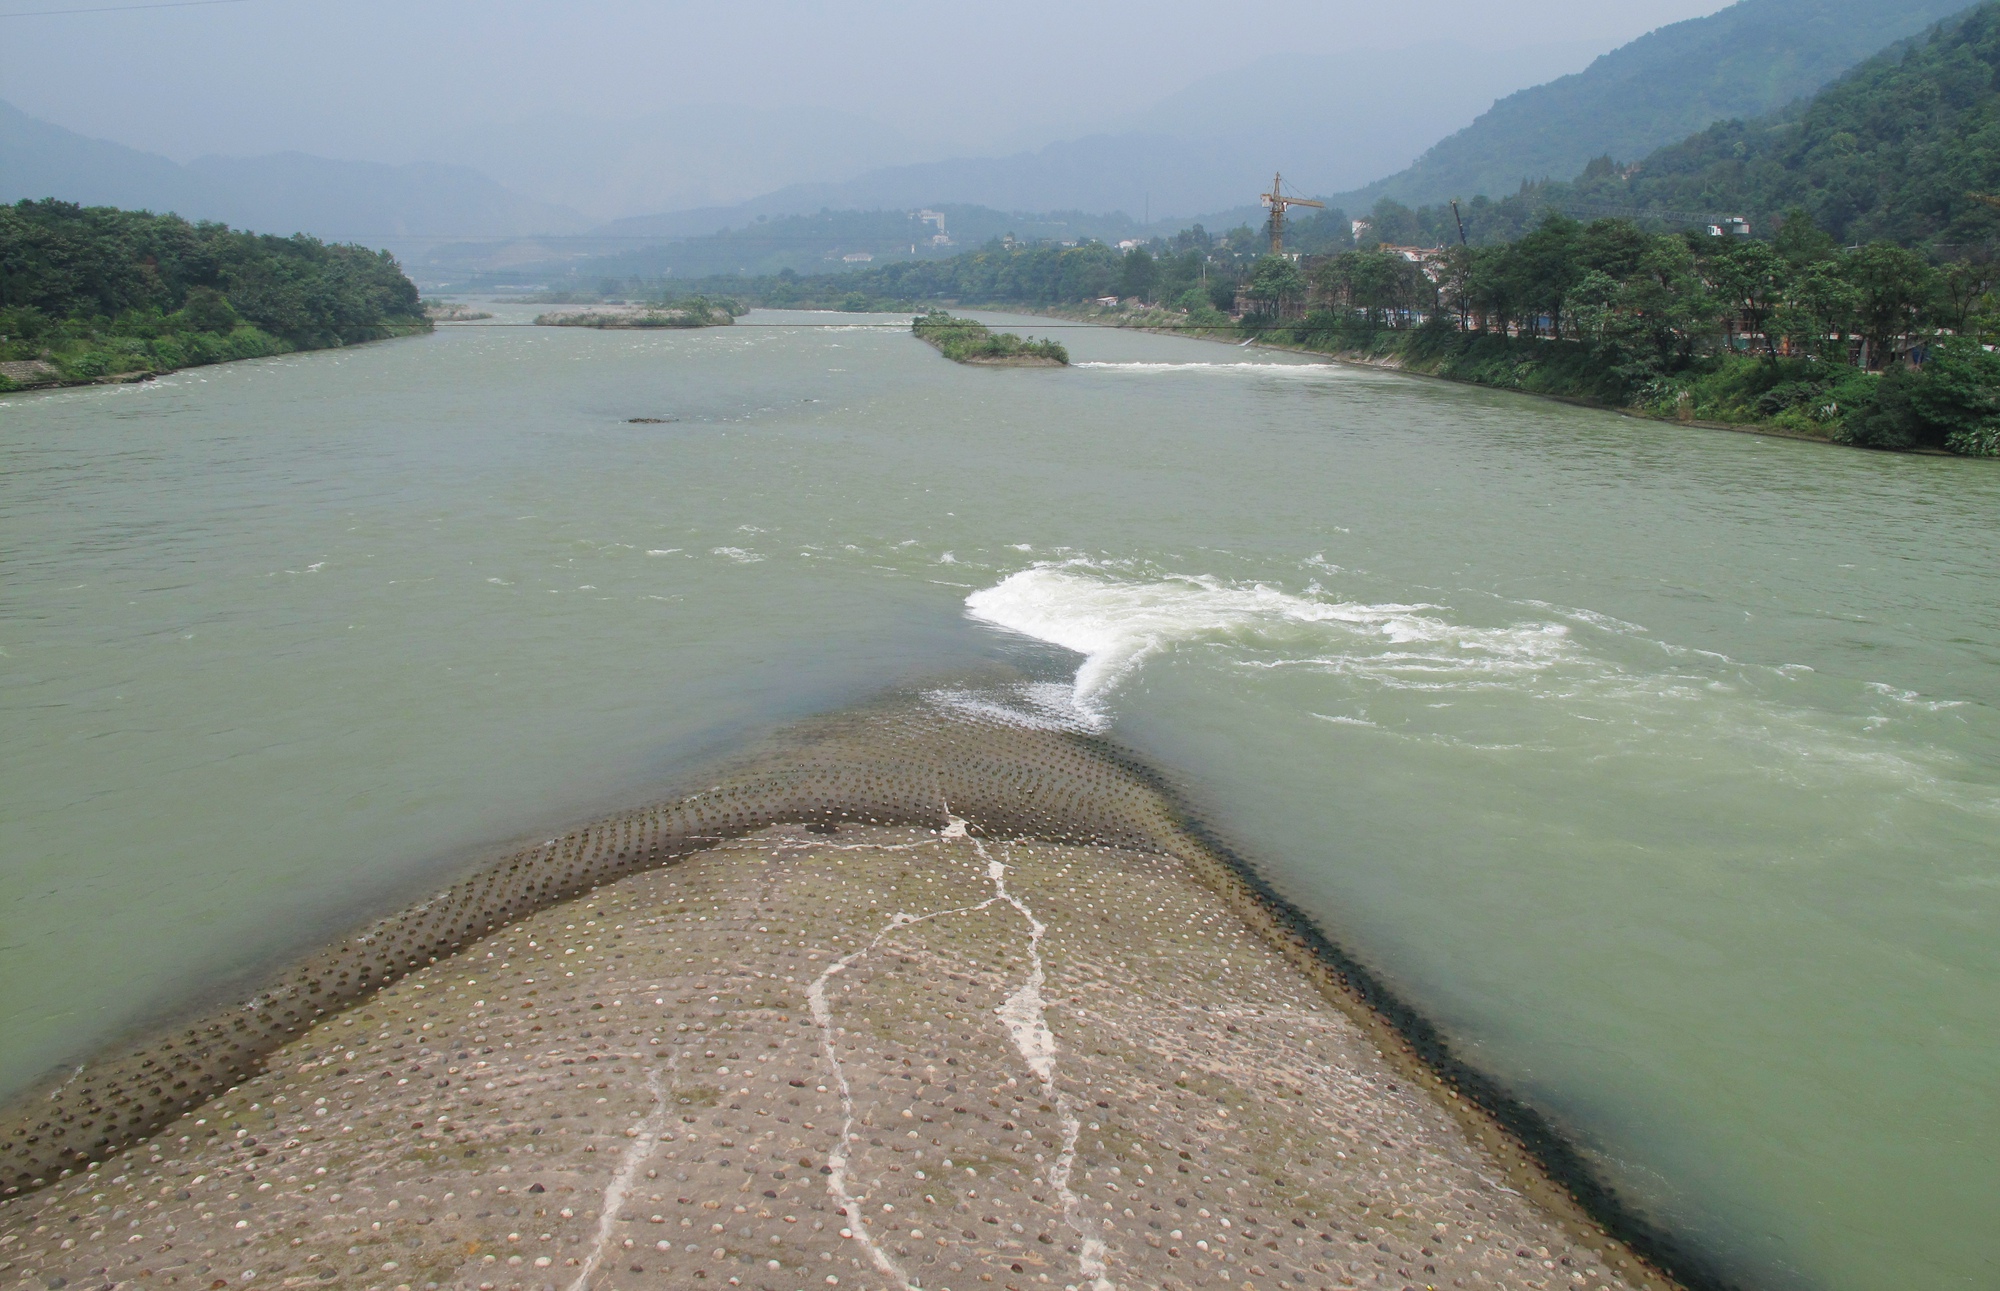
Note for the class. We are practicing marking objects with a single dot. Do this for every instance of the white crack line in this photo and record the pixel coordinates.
(1025, 1016)
(836, 1160)
(817, 845)
(636, 1153)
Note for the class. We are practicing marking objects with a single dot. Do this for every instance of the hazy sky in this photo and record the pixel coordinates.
(378, 78)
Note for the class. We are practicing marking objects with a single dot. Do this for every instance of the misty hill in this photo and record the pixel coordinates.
(1891, 151)
(1335, 121)
(826, 241)
(1746, 61)
(1207, 147)
(291, 192)
(1099, 173)
(696, 156)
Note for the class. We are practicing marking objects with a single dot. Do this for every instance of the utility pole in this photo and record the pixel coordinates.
(1277, 201)
(1461, 221)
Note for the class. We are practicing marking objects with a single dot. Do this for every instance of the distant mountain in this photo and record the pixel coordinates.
(38, 160)
(1746, 61)
(1124, 172)
(1335, 121)
(1894, 150)
(698, 156)
(396, 206)
(1325, 121)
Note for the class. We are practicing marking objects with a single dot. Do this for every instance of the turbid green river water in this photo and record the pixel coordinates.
(1660, 766)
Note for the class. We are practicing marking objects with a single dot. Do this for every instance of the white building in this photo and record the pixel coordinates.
(936, 219)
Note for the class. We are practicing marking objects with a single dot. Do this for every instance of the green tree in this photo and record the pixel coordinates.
(1802, 242)
(1275, 282)
(1138, 275)
(208, 310)
(1612, 247)
(1749, 280)
(1892, 285)
(1594, 305)
(1455, 284)
(1665, 307)
(1546, 265)
(1958, 398)
(1818, 311)
(1393, 224)
(1964, 292)
(1493, 288)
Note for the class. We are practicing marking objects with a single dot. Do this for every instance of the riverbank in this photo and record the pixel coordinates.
(1558, 370)
(1391, 363)
(96, 293)
(126, 360)
(927, 1049)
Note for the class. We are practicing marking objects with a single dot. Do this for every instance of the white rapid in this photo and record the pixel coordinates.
(1117, 621)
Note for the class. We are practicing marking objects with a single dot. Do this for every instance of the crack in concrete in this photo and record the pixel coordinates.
(1025, 1014)
(822, 1012)
(636, 1153)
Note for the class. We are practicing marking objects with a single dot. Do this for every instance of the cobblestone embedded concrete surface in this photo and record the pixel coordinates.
(870, 1058)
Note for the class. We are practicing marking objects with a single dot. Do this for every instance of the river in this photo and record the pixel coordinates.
(1660, 766)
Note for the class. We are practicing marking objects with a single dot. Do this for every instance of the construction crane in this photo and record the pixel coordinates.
(1277, 201)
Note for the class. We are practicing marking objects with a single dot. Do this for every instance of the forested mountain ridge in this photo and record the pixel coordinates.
(93, 292)
(1747, 61)
(1894, 150)
(336, 200)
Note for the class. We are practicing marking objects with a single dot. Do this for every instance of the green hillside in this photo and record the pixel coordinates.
(1747, 61)
(1892, 151)
(89, 293)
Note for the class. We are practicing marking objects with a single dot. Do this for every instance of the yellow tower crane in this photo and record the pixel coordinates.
(1277, 201)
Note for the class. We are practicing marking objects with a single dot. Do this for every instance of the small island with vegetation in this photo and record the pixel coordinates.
(695, 311)
(94, 294)
(964, 340)
(452, 311)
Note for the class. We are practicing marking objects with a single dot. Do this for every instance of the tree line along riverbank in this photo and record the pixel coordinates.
(1875, 345)
(91, 294)
(1827, 271)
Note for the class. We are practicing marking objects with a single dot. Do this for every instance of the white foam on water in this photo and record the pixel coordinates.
(1116, 624)
(1034, 706)
(1602, 681)
(1278, 369)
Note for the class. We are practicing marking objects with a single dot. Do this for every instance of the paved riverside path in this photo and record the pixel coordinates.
(862, 1058)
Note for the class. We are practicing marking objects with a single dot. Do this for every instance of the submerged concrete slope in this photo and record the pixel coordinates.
(921, 1001)
(896, 764)
(878, 1057)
